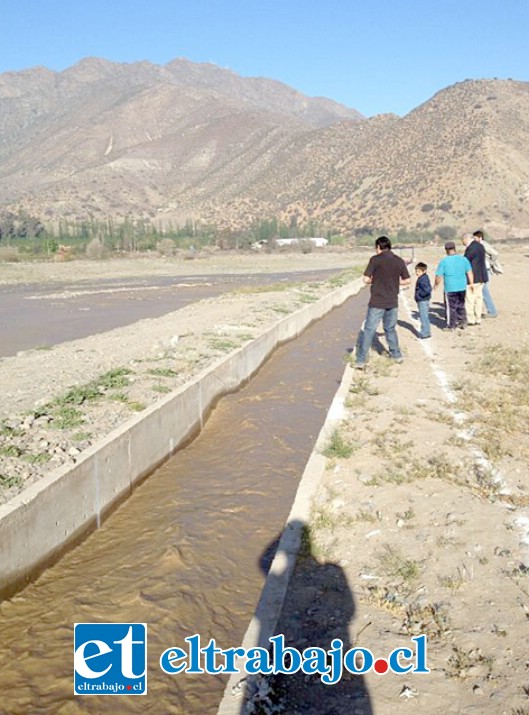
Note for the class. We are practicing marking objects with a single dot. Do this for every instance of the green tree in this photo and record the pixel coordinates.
(446, 233)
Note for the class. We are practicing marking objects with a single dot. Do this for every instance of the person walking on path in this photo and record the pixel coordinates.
(423, 293)
(493, 266)
(455, 271)
(385, 274)
(475, 252)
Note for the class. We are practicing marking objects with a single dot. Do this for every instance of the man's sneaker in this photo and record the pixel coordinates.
(360, 365)
(398, 360)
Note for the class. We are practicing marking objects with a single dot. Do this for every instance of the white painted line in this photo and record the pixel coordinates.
(480, 460)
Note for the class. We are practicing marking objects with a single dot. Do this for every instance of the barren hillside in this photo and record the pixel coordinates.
(193, 141)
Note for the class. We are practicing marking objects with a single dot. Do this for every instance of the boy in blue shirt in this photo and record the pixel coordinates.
(423, 293)
(456, 273)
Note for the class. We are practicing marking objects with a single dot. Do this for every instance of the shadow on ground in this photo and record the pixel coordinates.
(319, 607)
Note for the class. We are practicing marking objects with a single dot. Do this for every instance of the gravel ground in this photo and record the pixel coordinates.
(60, 401)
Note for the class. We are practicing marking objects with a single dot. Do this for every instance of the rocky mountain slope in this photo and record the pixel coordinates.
(460, 159)
(191, 141)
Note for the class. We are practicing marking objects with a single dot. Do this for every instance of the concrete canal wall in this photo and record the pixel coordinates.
(60, 508)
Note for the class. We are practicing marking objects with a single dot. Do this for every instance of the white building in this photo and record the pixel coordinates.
(318, 242)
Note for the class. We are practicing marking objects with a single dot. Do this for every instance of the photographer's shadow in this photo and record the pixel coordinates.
(318, 608)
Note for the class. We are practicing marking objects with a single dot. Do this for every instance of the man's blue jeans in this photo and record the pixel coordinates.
(489, 303)
(423, 307)
(389, 321)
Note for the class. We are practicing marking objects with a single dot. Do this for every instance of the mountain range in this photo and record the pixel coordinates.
(188, 141)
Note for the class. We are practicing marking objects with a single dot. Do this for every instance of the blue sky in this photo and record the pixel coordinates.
(374, 55)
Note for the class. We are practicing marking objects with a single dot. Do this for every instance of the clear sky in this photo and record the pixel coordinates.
(373, 55)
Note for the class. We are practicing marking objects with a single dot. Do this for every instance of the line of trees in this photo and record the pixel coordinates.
(30, 235)
(20, 225)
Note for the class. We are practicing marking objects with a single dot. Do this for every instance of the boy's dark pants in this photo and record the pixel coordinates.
(455, 309)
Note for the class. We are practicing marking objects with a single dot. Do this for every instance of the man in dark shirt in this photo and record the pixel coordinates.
(385, 273)
(476, 254)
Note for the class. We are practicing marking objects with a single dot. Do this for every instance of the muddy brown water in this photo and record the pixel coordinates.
(183, 552)
(37, 316)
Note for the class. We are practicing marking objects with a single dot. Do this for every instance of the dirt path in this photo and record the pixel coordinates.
(427, 520)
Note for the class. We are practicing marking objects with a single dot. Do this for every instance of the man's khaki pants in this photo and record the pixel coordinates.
(474, 303)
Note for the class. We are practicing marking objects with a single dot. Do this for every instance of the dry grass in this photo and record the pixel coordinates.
(393, 565)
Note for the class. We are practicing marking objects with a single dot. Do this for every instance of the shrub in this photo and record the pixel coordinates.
(446, 233)
(166, 246)
(9, 255)
(94, 249)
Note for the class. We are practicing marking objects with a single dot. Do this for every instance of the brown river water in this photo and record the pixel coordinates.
(182, 553)
(37, 316)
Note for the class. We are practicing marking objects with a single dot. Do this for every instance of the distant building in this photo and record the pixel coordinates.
(318, 242)
(280, 242)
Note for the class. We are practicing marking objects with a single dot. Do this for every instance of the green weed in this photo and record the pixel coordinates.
(81, 436)
(366, 516)
(41, 458)
(395, 565)
(307, 298)
(362, 386)
(10, 481)
(223, 344)
(78, 395)
(136, 406)
(8, 431)
(113, 379)
(66, 417)
(10, 451)
(505, 361)
(118, 397)
(345, 277)
(162, 372)
(408, 515)
(337, 447)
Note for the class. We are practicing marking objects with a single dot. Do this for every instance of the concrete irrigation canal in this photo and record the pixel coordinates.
(183, 552)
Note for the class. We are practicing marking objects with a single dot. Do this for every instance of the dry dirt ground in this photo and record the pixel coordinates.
(57, 402)
(421, 523)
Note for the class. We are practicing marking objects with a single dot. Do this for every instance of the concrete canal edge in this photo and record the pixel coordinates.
(237, 693)
(42, 521)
